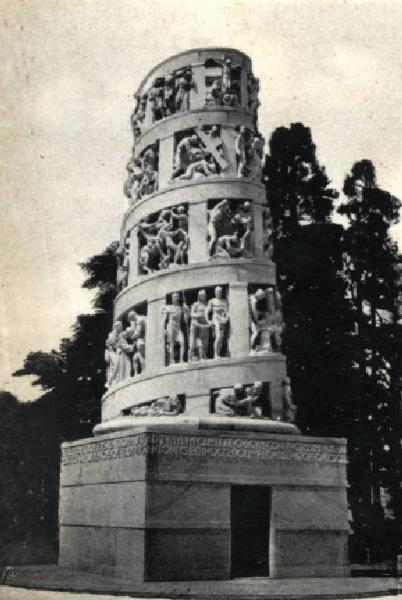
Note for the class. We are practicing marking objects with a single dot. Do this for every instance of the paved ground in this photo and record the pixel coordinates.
(50, 582)
(10, 593)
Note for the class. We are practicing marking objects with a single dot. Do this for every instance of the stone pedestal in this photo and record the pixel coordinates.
(155, 503)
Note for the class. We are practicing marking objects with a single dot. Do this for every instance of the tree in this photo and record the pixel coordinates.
(372, 268)
(72, 378)
(308, 254)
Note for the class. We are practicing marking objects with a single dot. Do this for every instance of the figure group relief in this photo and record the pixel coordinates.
(230, 228)
(199, 153)
(165, 97)
(163, 239)
(196, 330)
(222, 83)
(125, 349)
(143, 176)
(241, 401)
(168, 406)
(266, 322)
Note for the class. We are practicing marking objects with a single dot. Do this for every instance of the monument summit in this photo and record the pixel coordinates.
(198, 470)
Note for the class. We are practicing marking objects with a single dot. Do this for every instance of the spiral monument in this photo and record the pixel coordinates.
(197, 470)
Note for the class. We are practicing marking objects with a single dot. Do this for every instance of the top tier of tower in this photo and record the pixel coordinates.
(196, 80)
(195, 117)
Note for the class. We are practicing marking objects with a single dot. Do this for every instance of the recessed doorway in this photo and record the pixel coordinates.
(250, 516)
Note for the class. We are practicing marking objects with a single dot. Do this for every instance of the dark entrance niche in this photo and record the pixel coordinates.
(250, 508)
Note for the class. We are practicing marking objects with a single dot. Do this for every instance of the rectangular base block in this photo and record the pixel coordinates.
(180, 504)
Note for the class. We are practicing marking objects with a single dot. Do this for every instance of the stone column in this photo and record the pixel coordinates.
(239, 342)
(198, 93)
(155, 341)
(166, 148)
(258, 230)
(133, 272)
(197, 230)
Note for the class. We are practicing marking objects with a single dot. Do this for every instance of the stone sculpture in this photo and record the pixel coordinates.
(184, 86)
(266, 322)
(164, 241)
(200, 154)
(111, 354)
(138, 116)
(229, 229)
(218, 316)
(125, 349)
(173, 324)
(142, 178)
(253, 89)
(111, 362)
(224, 91)
(168, 406)
(249, 150)
(192, 161)
(289, 408)
(123, 264)
(156, 99)
(200, 328)
(260, 340)
(240, 401)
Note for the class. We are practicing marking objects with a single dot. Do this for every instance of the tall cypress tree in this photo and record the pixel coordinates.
(308, 255)
(372, 271)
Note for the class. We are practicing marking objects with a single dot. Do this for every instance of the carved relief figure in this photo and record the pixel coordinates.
(240, 401)
(289, 408)
(163, 239)
(253, 89)
(173, 324)
(223, 90)
(249, 149)
(111, 361)
(200, 328)
(138, 116)
(199, 154)
(266, 322)
(218, 317)
(112, 354)
(229, 229)
(123, 264)
(184, 86)
(168, 406)
(142, 178)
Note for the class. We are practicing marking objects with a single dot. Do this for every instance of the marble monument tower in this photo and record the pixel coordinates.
(198, 470)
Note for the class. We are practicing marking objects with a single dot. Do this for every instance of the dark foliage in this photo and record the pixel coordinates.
(31, 434)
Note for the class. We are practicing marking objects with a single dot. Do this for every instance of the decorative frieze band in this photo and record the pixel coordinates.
(204, 446)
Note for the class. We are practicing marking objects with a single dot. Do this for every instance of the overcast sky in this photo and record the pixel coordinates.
(70, 69)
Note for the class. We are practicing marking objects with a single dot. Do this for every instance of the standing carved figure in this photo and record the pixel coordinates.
(111, 362)
(174, 319)
(240, 150)
(112, 354)
(200, 328)
(185, 85)
(216, 216)
(139, 357)
(218, 317)
(259, 322)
